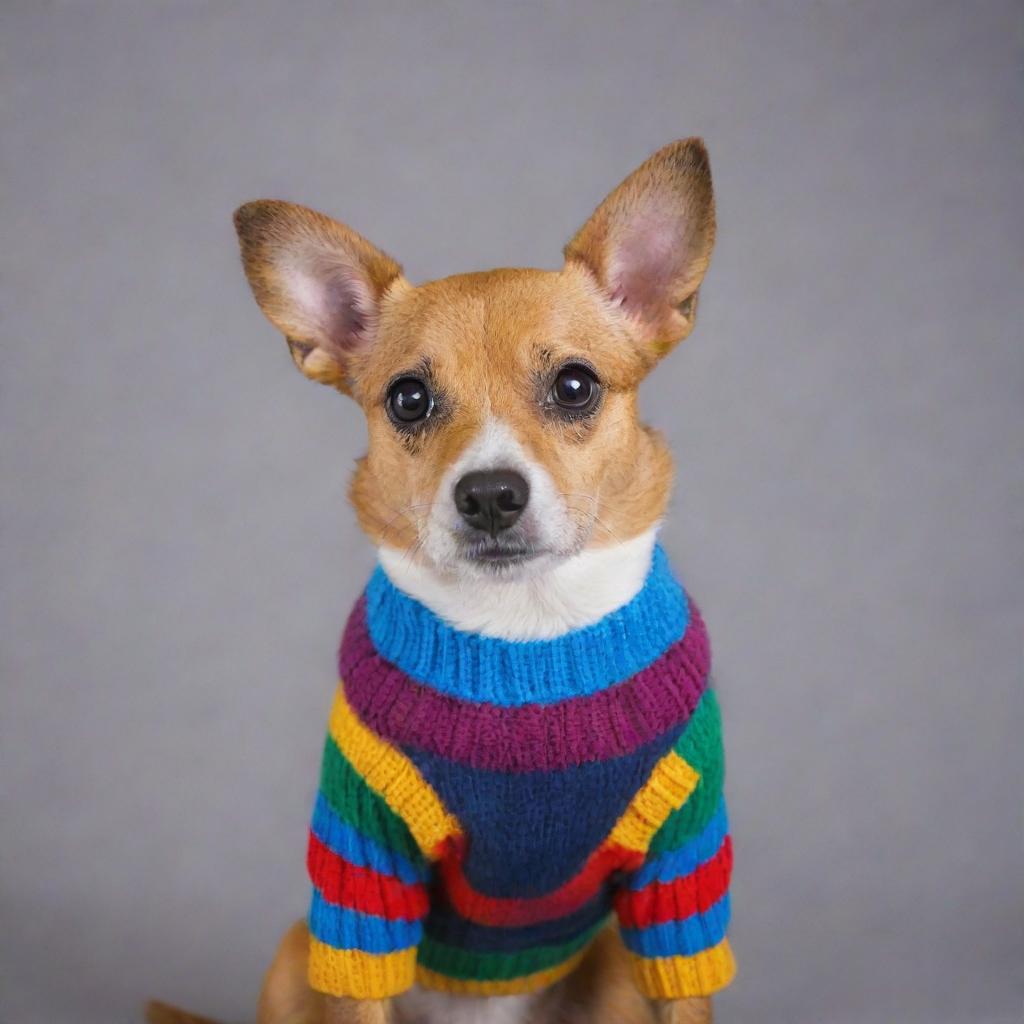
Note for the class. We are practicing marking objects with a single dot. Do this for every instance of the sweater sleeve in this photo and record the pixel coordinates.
(673, 910)
(369, 880)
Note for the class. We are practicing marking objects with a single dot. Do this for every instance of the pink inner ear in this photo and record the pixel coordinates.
(334, 301)
(646, 257)
(349, 309)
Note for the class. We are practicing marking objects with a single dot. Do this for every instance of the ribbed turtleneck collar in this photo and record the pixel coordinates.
(473, 667)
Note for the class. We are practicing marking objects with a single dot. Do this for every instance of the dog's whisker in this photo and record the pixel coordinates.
(412, 550)
(416, 523)
(593, 519)
(593, 499)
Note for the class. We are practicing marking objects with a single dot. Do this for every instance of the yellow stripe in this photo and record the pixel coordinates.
(393, 776)
(665, 791)
(508, 987)
(351, 972)
(683, 977)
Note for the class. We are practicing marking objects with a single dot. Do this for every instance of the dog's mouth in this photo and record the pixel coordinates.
(498, 552)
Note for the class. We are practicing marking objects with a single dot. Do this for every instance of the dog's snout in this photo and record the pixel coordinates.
(491, 500)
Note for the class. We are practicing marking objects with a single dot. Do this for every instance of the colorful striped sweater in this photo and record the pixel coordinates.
(485, 806)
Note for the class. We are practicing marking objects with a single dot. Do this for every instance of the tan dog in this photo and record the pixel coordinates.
(529, 368)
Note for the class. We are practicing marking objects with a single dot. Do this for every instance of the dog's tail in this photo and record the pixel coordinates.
(161, 1013)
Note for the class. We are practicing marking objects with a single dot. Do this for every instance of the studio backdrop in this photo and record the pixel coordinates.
(847, 420)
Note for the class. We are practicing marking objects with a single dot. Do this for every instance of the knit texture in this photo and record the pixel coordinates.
(485, 806)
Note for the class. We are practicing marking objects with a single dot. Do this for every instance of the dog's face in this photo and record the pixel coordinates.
(501, 406)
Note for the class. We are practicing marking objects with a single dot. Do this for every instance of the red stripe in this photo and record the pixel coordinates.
(681, 898)
(510, 912)
(363, 889)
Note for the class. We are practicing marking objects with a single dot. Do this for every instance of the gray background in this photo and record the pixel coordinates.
(178, 556)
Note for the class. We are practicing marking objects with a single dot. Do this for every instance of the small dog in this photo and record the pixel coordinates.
(514, 496)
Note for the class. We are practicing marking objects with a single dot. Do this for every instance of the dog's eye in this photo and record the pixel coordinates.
(575, 389)
(409, 400)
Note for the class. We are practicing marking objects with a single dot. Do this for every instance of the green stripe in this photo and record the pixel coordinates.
(701, 746)
(365, 810)
(469, 966)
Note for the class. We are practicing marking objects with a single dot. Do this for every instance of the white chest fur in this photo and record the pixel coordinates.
(578, 592)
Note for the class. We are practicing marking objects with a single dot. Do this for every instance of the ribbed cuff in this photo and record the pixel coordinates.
(684, 977)
(359, 975)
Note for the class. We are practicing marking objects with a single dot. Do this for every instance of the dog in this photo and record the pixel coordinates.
(510, 487)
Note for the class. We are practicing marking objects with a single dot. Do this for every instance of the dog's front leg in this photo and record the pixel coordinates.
(683, 1011)
(287, 998)
(338, 1010)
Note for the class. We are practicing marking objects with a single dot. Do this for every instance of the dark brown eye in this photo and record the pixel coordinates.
(575, 389)
(409, 400)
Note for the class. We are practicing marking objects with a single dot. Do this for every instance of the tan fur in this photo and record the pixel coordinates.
(486, 338)
(626, 295)
(161, 1013)
(600, 990)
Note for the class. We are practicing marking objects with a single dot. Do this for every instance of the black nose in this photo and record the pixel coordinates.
(492, 500)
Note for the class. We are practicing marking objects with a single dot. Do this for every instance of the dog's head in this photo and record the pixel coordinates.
(501, 406)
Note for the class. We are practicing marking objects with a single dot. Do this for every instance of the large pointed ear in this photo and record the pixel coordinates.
(319, 282)
(649, 243)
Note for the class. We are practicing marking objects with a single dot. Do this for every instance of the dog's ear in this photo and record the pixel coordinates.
(649, 243)
(319, 282)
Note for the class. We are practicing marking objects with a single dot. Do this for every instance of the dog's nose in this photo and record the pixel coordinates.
(492, 500)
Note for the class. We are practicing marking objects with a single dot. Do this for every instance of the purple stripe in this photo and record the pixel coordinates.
(530, 737)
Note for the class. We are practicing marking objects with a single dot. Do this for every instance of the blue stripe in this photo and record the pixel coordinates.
(511, 673)
(341, 838)
(672, 864)
(342, 928)
(692, 935)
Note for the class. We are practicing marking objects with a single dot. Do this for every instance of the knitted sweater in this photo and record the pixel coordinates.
(486, 805)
